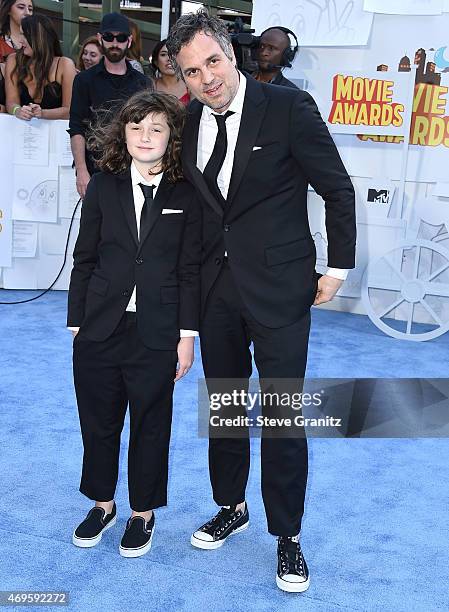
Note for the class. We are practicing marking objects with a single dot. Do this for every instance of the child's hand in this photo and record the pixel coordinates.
(185, 356)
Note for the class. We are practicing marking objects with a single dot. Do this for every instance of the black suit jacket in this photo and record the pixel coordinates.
(109, 261)
(280, 79)
(264, 226)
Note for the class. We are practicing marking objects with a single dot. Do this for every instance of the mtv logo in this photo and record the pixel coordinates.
(381, 196)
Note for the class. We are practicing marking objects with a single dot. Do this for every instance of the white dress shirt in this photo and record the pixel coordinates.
(139, 200)
(206, 141)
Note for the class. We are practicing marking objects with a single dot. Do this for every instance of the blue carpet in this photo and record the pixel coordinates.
(376, 512)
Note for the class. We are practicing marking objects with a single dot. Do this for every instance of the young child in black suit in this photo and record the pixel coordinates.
(133, 307)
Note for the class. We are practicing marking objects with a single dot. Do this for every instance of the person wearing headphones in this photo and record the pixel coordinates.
(276, 53)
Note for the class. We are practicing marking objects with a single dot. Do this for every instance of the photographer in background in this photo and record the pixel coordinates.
(275, 53)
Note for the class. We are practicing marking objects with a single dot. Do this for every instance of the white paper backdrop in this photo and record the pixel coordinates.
(37, 199)
(408, 41)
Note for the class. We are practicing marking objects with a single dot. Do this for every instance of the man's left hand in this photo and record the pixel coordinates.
(327, 288)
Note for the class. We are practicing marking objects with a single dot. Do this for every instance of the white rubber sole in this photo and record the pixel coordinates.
(90, 542)
(214, 545)
(132, 553)
(292, 587)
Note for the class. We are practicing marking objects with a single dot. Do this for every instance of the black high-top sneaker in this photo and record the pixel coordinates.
(214, 533)
(292, 573)
(90, 531)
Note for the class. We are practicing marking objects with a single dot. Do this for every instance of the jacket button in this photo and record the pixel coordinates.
(217, 261)
(126, 293)
(227, 228)
(139, 261)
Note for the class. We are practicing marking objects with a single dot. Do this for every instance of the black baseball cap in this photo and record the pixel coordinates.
(115, 22)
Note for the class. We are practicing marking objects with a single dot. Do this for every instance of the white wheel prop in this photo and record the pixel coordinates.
(416, 274)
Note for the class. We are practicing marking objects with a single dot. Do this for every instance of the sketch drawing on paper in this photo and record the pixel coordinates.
(317, 22)
(275, 16)
(42, 200)
(325, 20)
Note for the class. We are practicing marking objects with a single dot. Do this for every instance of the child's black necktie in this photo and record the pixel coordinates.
(147, 191)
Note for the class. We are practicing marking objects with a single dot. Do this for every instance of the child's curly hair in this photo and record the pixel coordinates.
(107, 139)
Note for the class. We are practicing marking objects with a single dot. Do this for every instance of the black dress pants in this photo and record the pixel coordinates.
(227, 330)
(108, 375)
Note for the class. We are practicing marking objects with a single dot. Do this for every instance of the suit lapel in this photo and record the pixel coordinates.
(126, 198)
(253, 113)
(162, 196)
(189, 155)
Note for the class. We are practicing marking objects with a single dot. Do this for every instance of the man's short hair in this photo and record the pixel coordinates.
(187, 26)
(279, 29)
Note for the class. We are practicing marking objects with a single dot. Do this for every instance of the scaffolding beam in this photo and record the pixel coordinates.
(70, 28)
(110, 6)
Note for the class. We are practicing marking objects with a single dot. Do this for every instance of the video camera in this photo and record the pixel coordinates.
(245, 46)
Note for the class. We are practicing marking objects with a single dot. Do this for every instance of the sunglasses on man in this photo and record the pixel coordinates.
(109, 37)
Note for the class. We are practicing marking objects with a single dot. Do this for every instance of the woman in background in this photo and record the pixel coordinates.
(2, 89)
(135, 50)
(11, 14)
(38, 78)
(165, 79)
(90, 54)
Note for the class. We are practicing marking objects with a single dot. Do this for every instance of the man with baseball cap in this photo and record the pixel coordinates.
(100, 88)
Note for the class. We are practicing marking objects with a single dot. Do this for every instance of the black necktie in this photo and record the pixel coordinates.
(147, 191)
(213, 166)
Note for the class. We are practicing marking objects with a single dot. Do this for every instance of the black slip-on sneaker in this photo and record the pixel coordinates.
(225, 523)
(90, 531)
(136, 540)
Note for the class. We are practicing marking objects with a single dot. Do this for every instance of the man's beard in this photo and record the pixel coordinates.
(267, 67)
(114, 54)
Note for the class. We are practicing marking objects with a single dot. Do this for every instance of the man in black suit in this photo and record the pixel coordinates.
(251, 149)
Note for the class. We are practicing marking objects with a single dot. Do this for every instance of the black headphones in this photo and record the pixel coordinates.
(289, 53)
